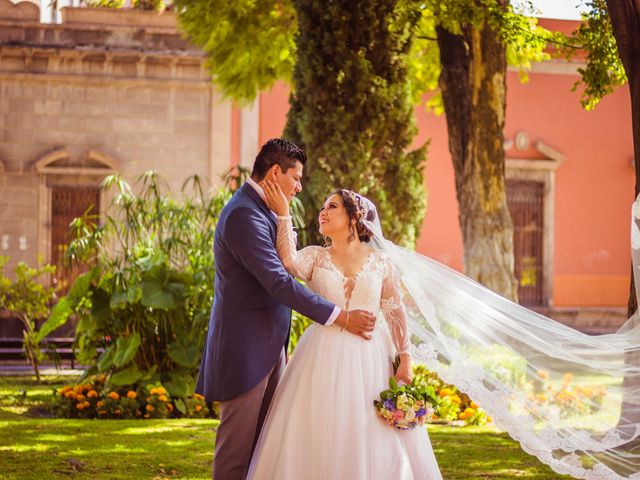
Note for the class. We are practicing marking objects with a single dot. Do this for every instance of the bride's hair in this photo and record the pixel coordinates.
(356, 210)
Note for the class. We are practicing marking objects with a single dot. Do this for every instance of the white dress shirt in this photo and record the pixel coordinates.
(260, 190)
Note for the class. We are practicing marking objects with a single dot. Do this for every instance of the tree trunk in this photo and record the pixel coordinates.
(625, 20)
(473, 84)
(352, 110)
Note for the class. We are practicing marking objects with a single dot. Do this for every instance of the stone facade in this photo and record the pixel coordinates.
(121, 84)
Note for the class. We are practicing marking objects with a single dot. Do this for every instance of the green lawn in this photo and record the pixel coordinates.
(36, 447)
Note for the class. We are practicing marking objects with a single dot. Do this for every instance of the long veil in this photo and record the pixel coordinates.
(570, 399)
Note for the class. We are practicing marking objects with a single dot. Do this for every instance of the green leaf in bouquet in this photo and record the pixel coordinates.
(393, 384)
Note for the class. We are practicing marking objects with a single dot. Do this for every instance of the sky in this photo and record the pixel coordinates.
(565, 9)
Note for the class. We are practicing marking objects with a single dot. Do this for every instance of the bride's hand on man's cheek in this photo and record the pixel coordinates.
(275, 199)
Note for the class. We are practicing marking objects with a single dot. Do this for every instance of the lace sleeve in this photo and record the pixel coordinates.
(301, 263)
(393, 310)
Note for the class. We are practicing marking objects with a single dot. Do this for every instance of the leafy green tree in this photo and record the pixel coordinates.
(30, 299)
(351, 101)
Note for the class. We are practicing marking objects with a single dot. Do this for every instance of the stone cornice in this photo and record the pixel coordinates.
(154, 65)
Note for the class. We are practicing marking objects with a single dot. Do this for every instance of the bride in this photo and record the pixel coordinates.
(570, 399)
(322, 423)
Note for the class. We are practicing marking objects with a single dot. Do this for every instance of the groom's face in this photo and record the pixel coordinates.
(290, 181)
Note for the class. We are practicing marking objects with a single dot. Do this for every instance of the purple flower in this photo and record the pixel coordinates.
(389, 405)
(420, 412)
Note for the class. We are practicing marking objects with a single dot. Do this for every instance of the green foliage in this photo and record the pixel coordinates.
(604, 70)
(524, 39)
(105, 3)
(30, 299)
(249, 43)
(143, 309)
(353, 112)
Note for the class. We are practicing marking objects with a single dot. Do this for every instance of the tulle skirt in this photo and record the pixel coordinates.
(322, 423)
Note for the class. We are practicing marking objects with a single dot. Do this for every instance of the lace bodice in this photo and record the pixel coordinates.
(374, 288)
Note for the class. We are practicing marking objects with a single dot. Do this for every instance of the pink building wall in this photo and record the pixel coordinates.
(594, 185)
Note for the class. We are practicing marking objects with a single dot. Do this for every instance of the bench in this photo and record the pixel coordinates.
(62, 347)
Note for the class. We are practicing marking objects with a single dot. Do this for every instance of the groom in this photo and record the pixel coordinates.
(244, 354)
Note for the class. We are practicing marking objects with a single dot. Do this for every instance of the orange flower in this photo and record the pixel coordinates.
(146, 415)
(131, 394)
(80, 406)
(170, 407)
(198, 408)
(114, 396)
(101, 378)
(100, 404)
(474, 405)
(445, 392)
(543, 374)
(70, 394)
(162, 398)
(150, 408)
(92, 394)
(81, 398)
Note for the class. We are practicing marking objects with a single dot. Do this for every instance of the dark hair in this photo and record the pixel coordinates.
(356, 211)
(277, 151)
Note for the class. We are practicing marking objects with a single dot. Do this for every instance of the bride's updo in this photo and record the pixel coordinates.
(356, 210)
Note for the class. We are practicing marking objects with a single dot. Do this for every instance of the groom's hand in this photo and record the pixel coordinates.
(360, 322)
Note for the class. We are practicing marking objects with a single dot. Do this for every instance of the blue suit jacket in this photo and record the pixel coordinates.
(253, 296)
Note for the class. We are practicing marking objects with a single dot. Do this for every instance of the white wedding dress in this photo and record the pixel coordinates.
(322, 423)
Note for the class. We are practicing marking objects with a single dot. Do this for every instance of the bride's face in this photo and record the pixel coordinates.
(333, 217)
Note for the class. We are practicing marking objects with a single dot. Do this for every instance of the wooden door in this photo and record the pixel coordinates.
(526, 205)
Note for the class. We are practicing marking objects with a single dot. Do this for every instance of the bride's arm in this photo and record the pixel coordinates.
(298, 263)
(395, 315)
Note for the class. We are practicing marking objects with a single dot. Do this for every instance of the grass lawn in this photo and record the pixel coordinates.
(36, 447)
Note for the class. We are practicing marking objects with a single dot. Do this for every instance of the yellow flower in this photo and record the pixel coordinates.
(114, 396)
(474, 405)
(197, 396)
(161, 391)
(456, 399)
(150, 408)
(153, 391)
(131, 394)
(92, 394)
(162, 398)
(567, 378)
(541, 397)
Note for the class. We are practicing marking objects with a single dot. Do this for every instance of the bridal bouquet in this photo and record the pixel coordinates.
(406, 406)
